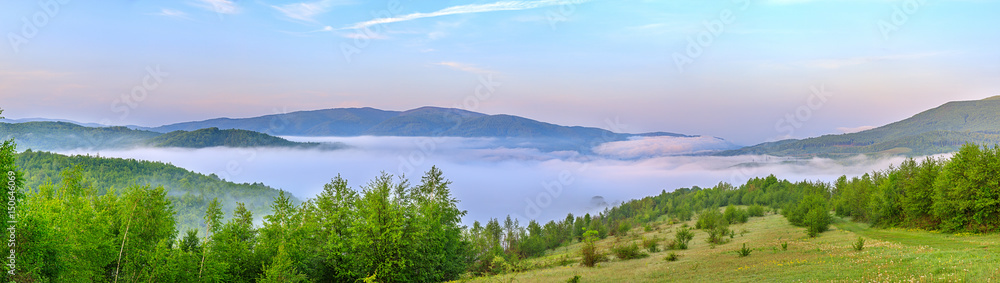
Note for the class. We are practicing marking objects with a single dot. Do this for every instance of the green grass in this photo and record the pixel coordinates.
(889, 255)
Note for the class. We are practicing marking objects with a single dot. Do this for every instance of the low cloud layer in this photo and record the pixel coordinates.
(495, 182)
(640, 147)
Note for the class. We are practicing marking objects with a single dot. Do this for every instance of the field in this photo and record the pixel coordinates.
(888, 255)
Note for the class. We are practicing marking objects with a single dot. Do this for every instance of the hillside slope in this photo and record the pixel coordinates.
(939, 130)
(190, 192)
(68, 136)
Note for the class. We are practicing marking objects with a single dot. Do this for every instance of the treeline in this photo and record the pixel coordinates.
(960, 194)
(189, 192)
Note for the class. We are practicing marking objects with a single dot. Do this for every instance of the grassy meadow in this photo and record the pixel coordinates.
(888, 255)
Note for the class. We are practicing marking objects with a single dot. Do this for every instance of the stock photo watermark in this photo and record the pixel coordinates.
(562, 13)
(553, 189)
(427, 146)
(901, 14)
(791, 121)
(364, 34)
(47, 10)
(711, 30)
(12, 222)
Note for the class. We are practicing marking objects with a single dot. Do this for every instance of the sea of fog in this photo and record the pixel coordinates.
(492, 182)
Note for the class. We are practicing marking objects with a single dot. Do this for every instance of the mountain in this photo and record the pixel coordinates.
(424, 121)
(328, 122)
(939, 130)
(67, 136)
(508, 130)
(92, 125)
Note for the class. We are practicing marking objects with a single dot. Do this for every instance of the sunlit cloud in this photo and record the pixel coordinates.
(219, 6)
(307, 11)
(172, 13)
(462, 9)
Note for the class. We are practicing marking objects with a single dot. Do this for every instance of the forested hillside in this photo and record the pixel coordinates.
(189, 192)
(212, 137)
(940, 130)
(67, 136)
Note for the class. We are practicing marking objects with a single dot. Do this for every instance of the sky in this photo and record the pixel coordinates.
(746, 71)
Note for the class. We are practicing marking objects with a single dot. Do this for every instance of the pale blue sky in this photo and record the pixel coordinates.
(566, 62)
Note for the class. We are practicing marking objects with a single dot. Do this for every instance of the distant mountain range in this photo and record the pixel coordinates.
(508, 130)
(66, 136)
(424, 121)
(939, 130)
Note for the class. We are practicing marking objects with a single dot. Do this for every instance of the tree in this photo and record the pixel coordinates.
(282, 269)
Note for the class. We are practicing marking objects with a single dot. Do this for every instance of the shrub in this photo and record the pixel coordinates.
(718, 235)
(652, 244)
(735, 215)
(818, 221)
(710, 219)
(859, 244)
(628, 251)
(784, 246)
(683, 236)
(589, 255)
(575, 279)
(647, 227)
(671, 257)
(743, 252)
(755, 211)
(623, 228)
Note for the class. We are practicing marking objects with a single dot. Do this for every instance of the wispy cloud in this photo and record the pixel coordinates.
(465, 67)
(462, 9)
(307, 11)
(219, 6)
(173, 13)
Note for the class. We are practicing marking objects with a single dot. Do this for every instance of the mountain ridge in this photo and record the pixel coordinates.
(937, 130)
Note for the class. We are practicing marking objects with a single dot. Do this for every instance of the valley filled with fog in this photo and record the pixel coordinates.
(494, 181)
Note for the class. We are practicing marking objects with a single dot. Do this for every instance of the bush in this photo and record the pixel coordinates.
(575, 279)
(755, 211)
(628, 251)
(859, 245)
(709, 219)
(743, 252)
(784, 246)
(735, 215)
(681, 239)
(652, 244)
(671, 257)
(623, 229)
(818, 221)
(718, 235)
(589, 255)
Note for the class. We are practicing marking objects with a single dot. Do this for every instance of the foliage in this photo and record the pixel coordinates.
(651, 244)
(628, 251)
(672, 257)
(189, 192)
(859, 244)
(682, 237)
(589, 255)
(744, 251)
